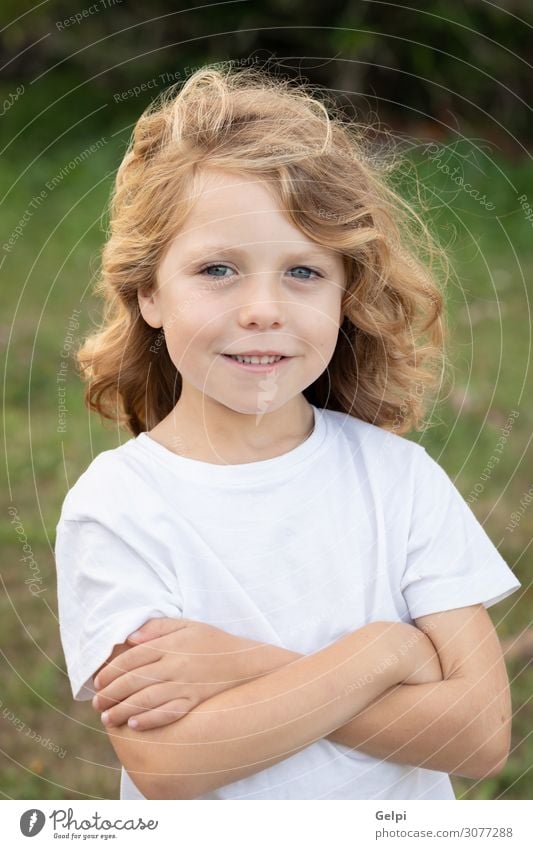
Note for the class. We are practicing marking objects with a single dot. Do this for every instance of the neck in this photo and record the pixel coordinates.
(215, 433)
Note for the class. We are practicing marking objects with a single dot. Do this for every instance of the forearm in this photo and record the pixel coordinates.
(434, 726)
(246, 729)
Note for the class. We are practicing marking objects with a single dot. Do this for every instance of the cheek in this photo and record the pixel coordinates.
(192, 330)
(321, 328)
(325, 348)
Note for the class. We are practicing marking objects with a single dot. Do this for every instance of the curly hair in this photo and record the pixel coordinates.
(333, 184)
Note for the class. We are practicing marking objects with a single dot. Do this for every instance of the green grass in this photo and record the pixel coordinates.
(50, 271)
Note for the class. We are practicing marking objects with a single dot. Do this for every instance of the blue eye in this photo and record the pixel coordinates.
(306, 269)
(209, 267)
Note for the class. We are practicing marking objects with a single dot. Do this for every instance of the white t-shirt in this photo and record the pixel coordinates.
(355, 524)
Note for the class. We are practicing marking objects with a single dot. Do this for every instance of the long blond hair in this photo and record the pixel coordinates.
(333, 186)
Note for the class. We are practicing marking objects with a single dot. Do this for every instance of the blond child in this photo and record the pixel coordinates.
(309, 585)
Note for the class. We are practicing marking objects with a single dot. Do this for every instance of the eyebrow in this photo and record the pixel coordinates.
(217, 247)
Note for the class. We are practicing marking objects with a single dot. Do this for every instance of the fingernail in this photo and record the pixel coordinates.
(135, 636)
(105, 717)
(132, 723)
(95, 702)
(96, 682)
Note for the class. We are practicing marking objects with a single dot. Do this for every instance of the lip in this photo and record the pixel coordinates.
(255, 354)
(256, 367)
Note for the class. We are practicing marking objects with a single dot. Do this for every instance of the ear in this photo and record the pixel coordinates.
(149, 307)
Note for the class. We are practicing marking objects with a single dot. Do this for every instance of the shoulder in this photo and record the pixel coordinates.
(380, 451)
(106, 483)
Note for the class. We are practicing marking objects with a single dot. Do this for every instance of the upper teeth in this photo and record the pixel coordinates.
(257, 360)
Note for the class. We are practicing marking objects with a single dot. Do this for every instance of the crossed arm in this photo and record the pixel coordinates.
(458, 725)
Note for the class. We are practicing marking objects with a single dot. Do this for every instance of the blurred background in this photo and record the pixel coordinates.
(75, 78)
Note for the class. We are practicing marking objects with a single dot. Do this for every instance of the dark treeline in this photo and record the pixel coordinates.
(457, 67)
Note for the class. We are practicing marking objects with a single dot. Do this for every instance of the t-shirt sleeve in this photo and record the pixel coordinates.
(106, 590)
(451, 562)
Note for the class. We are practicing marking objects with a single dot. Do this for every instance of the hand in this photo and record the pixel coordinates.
(173, 665)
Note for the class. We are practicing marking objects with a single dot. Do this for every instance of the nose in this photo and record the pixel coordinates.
(262, 300)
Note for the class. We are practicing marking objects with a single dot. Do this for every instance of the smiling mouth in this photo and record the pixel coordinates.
(257, 366)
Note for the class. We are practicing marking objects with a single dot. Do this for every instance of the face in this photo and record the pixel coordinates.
(240, 278)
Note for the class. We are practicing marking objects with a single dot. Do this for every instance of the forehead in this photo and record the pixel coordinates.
(231, 200)
(235, 210)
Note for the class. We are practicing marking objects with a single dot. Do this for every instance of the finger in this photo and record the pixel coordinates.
(157, 627)
(127, 685)
(160, 716)
(126, 661)
(144, 700)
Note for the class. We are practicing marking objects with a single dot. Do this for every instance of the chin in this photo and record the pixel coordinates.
(252, 409)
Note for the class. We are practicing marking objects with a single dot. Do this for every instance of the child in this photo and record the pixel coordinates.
(273, 325)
